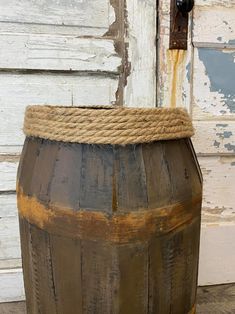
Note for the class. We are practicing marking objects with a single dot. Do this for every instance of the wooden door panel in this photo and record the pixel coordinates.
(65, 52)
(201, 79)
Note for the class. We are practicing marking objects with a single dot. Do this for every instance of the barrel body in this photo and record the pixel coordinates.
(109, 229)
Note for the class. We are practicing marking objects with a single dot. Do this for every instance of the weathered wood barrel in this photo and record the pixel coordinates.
(109, 206)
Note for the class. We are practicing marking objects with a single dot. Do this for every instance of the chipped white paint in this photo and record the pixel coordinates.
(219, 30)
(8, 205)
(10, 238)
(211, 3)
(141, 38)
(17, 91)
(81, 13)
(214, 137)
(9, 232)
(213, 89)
(57, 52)
(18, 28)
(8, 176)
(218, 192)
(11, 285)
(10, 263)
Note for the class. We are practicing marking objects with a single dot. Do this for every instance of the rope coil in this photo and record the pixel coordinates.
(107, 125)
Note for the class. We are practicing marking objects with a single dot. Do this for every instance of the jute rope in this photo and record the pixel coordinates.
(107, 125)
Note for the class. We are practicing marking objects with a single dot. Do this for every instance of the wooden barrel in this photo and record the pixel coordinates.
(109, 228)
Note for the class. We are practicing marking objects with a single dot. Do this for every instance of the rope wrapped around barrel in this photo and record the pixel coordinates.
(107, 125)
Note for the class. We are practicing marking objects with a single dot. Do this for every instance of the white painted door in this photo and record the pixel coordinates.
(65, 52)
(203, 80)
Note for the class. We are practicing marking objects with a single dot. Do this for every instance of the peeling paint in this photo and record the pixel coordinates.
(118, 30)
(230, 147)
(225, 134)
(223, 125)
(220, 68)
(114, 28)
(216, 144)
(188, 72)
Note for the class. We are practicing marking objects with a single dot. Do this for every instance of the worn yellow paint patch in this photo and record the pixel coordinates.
(176, 60)
(119, 227)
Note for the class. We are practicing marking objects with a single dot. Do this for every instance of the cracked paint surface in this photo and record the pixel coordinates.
(220, 69)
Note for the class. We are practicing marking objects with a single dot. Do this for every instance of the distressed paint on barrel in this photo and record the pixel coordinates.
(109, 229)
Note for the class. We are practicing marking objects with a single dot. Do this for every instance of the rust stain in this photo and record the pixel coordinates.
(176, 64)
(117, 228)
(193, 311)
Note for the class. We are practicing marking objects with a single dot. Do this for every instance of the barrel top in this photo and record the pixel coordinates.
(106, 124)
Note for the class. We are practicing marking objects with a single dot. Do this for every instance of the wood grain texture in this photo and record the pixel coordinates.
(19, 90)
(57, 52)
(140, 89)
(104, 275)
(89, 13)
(222, 3)
(10, 255)
(53, 29)
(218, 194)
(8, 176)
(11, 285)
(10, 241)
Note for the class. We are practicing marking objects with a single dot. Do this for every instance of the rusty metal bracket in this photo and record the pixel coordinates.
(178, 27)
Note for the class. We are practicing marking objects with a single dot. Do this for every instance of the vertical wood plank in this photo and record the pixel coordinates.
(43, 277)
(140, 89)
(173, 270)
(100, 281)
(181, 188)
(96, 177)
(29, 283)
(28, 163)
(65, 186)
(133, 289)
(43, 170)
(157, 175)
(130, 178)
(67, 273)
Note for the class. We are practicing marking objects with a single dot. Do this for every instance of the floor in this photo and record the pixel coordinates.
(211, 300)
